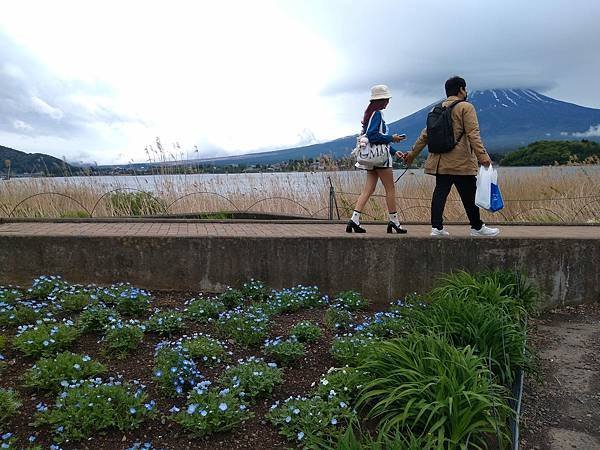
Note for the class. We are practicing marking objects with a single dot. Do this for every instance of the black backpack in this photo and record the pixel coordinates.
(440, 134)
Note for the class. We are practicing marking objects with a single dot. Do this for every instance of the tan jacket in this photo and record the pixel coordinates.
(462, 159)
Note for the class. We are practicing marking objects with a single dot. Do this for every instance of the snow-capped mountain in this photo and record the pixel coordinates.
(508, 119)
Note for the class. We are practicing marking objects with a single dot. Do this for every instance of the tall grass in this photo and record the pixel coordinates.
(546, 195)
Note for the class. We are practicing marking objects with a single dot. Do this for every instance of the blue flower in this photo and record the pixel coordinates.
(32, 438)
(132, 410)
(223, 406)
(6, 436)
(192, 408)
(203, 413)
(333, 421)
(174, 409)
(288, 419)
(300, 435)
(76, 366)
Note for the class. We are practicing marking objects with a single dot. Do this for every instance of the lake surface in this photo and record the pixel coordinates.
(307, 182)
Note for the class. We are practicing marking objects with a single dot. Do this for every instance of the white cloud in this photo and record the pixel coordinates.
(593, 131)
(42, 107)
(20, 125)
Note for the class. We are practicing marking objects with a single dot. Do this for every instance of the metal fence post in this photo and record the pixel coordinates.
(331, 200)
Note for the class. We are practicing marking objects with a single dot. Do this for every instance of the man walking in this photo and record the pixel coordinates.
(453, 156)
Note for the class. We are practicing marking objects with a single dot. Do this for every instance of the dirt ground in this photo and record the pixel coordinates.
(561, 406)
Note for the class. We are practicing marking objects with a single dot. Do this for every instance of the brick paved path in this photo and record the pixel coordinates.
(271, 229)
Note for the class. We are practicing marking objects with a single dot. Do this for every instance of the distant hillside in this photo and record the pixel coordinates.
(547, 153)
(32, 163)
(508, 118)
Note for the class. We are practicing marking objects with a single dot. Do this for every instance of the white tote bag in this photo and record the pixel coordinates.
(371, 154)
(485, 178)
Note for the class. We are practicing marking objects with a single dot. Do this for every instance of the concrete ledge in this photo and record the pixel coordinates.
(383, 268)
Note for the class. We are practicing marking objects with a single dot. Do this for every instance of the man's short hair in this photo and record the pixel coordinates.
(453, 85)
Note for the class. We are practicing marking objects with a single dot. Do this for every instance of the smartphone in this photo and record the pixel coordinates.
(402, 135)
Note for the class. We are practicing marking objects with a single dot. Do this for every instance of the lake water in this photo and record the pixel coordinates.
(270, 182)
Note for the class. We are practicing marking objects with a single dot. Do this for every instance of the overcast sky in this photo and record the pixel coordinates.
(100, 80)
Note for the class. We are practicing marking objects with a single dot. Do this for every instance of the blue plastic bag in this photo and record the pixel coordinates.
(496, 202)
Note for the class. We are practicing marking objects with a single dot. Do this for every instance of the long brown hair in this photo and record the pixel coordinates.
(374, 105)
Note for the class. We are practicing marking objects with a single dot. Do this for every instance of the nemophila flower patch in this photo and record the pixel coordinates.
(204, 349)
(203, 310)
(229, 356)
(9, 404)
(45, 338)
(252, 377)
(306, 331)
(338, 319)
(212, 410)
(350, 301)
(127, 299)
(87, 407)
(97, 317)
(165, 323)
(284, 351)
(246, 326)
(55, 373)
(174, 370)
(122, 337)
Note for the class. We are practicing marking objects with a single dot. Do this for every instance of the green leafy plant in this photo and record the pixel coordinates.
(253, 377)
(306, 331)
(123, 337)
(96, 318)
(44, 286)
(232, 298)
(211, 411)
(128, 300)
(285, 352)
(53, 374)
(345, 382)
(351, 350)
(203, 310)
(165, 323)
(255, 290)
(350, 301)
(74, 299)
(338, 319)
(45, 339)
(174, 370)
(204, 348)
(246, 326)
(140, 203)
(89, 407)
(424, 384)
(9, 404)
(294, 299)
(311, 421)
(23, 312)
(10, 294)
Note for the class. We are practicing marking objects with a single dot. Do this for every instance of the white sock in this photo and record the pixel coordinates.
(394, 218)
(355, 217)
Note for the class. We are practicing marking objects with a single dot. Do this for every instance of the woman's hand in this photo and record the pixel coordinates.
(398, 138)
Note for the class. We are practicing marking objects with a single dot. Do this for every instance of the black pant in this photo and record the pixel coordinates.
(466, 186)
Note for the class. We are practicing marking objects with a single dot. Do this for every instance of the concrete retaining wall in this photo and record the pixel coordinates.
(565, 269)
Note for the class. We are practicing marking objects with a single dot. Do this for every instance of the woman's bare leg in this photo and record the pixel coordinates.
(387, 178)
(368, 189)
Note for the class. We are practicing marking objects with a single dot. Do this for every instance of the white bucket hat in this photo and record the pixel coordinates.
(379, 92)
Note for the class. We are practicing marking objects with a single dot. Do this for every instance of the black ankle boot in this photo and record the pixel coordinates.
(392, 226)
(351, 226)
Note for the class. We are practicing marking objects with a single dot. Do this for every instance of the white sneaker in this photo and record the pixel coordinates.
(485, 231)
(436, 232)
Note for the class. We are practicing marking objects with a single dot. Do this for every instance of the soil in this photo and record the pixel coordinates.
(255, 433)
(561, 405)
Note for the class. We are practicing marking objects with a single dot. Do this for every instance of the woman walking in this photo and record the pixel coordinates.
(376, 130)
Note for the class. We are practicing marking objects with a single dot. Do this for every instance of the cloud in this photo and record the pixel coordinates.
(593, 131)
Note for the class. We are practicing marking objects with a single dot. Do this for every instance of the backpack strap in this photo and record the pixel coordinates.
(449, 108)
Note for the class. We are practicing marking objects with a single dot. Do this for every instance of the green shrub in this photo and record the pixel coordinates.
(338, 319)
(90, 407)
(232, 298)
(351, 350)
(345, 382)
(135, 204)
(9, 404)
(311, 422)
(247, 326)
(165, 323)
(387, 441)
(22, 312)
(253, 377)
(45, 339)
(255, 291)
(294, 299)
(211, 411)
(203, 310)
(77, 214)
(487, 328)
(46, 285)
(174, 370)
(3, 343)
(204, 348)
(384, 325)
(123, 337)
(128, 300)
(96, 318)
(350, 301)
(10, 294)
(74, 300)
(285, 352)
(54, 374)
(425, 385)
(306, 331)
